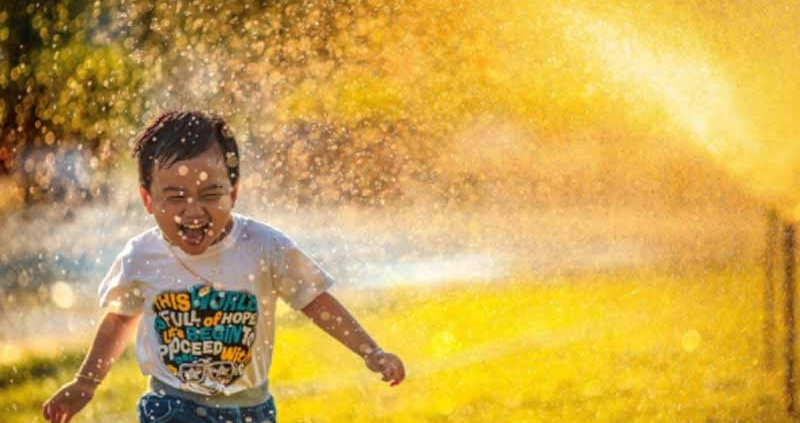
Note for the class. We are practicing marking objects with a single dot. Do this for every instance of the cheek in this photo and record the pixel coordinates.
(225, 204)
(163, 210)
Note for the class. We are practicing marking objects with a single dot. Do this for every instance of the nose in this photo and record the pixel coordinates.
(194, 212)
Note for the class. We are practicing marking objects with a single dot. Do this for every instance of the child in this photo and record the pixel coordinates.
(204, 284)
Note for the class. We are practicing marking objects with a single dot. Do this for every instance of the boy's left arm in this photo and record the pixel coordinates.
(331, 316)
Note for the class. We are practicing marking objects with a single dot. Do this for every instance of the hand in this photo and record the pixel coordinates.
(387, 364)
(70, 399)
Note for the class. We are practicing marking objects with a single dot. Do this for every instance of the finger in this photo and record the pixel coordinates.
(60, 413)
(55, 413)
(46, 410)
(388, 373)
(401, 373)
(396, 380)
(398, 374)
(65, 417)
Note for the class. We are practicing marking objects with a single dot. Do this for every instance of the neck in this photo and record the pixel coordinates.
(225, 231)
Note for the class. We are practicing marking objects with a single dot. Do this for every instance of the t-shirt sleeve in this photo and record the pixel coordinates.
(299, 278)
(118, 292)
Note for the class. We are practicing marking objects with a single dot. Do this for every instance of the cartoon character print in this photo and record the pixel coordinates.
(206, 334)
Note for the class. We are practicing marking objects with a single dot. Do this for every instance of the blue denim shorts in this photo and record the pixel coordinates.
(154, 408)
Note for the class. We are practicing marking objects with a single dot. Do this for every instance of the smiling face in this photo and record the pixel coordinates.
(191, 201)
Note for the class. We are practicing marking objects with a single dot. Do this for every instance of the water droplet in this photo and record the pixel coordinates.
(62, 294)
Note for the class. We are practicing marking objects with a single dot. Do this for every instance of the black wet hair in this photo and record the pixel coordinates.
(183, 135)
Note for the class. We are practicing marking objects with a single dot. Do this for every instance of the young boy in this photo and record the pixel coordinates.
(204, 284)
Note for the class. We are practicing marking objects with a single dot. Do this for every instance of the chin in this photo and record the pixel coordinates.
(193, 249)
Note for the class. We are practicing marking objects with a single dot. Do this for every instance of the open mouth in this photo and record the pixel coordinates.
(194, 234)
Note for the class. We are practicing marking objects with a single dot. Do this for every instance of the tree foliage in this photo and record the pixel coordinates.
(67, 84)
(87, 76)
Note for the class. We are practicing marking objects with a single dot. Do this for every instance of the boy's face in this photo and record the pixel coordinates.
(192, 201)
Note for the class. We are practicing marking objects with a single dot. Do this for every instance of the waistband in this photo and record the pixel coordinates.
(153, 407)
(247, 398)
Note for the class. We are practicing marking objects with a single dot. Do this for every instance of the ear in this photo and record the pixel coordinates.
(146, 199)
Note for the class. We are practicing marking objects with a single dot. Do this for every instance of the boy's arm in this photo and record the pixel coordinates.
(109, 342)
(331, 316)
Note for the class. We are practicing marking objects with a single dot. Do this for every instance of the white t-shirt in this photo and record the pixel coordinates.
(218, 340)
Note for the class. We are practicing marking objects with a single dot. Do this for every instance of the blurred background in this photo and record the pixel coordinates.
(550, 209)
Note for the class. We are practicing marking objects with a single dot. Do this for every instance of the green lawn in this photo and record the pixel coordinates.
(609, 348)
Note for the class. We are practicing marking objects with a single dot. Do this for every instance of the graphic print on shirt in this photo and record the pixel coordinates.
(206, 335)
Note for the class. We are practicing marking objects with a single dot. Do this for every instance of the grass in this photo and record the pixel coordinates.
(601, 348)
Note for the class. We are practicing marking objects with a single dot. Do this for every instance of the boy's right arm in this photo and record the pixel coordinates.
(109, 342)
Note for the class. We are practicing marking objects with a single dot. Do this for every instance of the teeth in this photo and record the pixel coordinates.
(194, 226)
